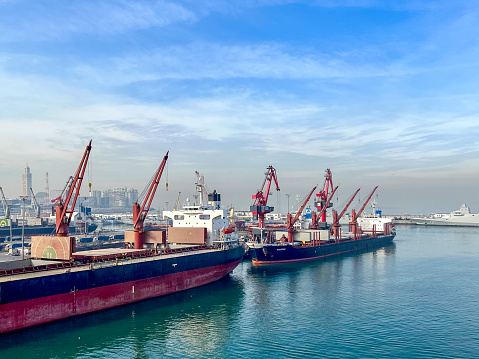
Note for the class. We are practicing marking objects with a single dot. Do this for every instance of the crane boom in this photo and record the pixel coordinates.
(6, 206)
(63, 211)
(260, 207)
(353, 225)
(296, 217)
(291, 221)
(140, 213)
(347, 205)
(365, 203)
(316, 217)
(35, 204)
(65, 190)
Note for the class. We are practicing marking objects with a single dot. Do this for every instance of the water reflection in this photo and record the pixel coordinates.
(195, 321)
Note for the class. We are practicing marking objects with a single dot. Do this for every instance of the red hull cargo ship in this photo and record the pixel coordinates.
(43, 290)
(59, 283)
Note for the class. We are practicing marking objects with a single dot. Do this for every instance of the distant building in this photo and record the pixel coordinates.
(132, 196)
(27, 182)
(96, 198)
(120, 197)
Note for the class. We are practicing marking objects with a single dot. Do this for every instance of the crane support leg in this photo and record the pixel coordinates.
(138, 239)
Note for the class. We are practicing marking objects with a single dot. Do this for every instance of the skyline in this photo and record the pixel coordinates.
(382, 93)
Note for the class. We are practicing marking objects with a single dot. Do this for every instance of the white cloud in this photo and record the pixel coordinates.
(44, 21)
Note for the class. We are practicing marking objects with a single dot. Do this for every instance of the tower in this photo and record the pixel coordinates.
(27, 182)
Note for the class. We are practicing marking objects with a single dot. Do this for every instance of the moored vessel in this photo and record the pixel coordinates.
(320, 240)
(284, 252)
(459, 218)
(58, 282)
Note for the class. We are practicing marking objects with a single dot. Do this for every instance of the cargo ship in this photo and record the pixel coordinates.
(59, 283)
(314, 238)
(315, 244)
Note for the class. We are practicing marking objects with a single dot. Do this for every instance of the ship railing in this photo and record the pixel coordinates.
(35, 269)
(111, 262)
(184, 249)
(107, 261)
(226, 244)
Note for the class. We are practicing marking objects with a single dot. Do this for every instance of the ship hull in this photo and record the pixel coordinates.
(41, 298)
(285, 253)
(445, 223)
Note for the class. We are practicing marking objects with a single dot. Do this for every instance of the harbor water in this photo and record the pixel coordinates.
(417, 298)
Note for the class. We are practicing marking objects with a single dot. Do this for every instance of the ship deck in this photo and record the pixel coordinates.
(96, 259)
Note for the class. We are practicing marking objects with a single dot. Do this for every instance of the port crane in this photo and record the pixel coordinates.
(63, 211)
(6, 206)
(335, 225)
(260, 207)
(315, 217)
(140, 212)
(6, 210)
(323, 194)
(36, 206)
(290, 221)
(353, 225)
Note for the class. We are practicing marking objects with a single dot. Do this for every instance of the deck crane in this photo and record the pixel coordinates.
(6, 206)
(201, 188)
(291, 221)
(36, 206)
(323, 194)
(140, 213)
(315, 217)
(260, 207)
(335, 225)
(353, 225)
(67, 187)
(63, 211)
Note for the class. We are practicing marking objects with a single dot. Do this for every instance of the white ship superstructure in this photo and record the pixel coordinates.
(208, 216)
(461, 217)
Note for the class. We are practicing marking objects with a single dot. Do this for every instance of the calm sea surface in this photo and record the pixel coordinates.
(415, 299)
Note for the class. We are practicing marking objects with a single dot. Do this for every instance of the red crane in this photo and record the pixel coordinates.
(260, 207)
(353, 225)
(336, 218)
(62, 211)
(140, 213)
(315, 217)
(291, 221)
(323, 194)
(55, 201)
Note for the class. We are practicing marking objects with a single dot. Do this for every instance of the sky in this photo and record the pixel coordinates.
(381, 92)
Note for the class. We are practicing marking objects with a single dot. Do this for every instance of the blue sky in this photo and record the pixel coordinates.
(382, 92)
